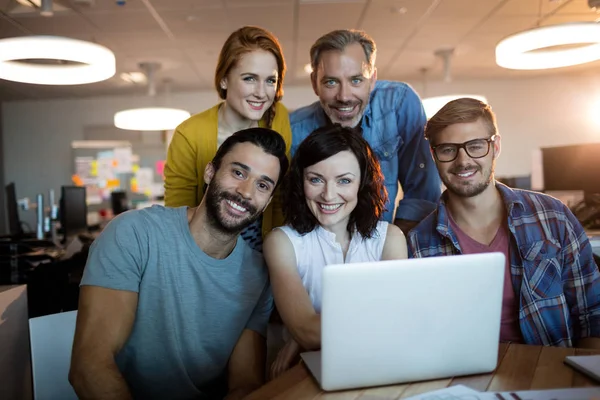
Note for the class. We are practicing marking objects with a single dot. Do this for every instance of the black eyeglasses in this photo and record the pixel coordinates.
(476, 148)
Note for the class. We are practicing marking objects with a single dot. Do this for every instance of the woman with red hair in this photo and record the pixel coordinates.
(249, 80)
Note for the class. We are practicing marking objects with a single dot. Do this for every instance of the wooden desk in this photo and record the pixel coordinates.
(520, 367)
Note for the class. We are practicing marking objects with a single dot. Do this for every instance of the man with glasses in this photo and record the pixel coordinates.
(551, 283)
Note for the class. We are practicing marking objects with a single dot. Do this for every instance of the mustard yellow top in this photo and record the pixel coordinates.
(194, 145)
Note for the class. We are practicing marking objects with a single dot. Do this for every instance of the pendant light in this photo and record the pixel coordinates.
(433, 104)
(524, 50)
(59, 60)
(150, 118)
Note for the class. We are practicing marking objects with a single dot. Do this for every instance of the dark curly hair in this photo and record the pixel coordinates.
(318, 146)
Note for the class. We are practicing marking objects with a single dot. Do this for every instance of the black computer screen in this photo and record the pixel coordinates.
(73, 210)
(572, 168)
(12, 208)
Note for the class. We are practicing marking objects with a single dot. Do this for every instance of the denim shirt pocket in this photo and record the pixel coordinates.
(389, 148)
(387, 153)
(542, 268)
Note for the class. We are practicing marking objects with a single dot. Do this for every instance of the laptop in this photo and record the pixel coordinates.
(400, 321)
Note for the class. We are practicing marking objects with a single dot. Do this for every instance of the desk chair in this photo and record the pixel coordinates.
(51, 338)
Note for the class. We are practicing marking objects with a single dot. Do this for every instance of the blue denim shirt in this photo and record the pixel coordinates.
(393, 124)
(552, 266)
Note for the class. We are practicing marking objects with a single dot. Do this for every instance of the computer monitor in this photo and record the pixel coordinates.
(73, 210)
(574, 167)
(12, 207)
(118, 201)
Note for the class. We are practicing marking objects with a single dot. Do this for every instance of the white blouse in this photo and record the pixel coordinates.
(318, 248)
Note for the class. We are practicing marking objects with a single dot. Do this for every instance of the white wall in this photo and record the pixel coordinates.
(531, 113)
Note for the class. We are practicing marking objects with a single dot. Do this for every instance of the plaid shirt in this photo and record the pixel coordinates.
(551, 263)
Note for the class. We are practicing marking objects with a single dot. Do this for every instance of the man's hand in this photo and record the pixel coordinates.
(405, 225)
(287, 356)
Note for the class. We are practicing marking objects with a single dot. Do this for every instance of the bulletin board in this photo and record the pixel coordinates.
(107, 166)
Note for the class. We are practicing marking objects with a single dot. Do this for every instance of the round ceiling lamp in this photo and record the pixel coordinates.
(150, 119)
(525, 50)
(60, 60)
(433, 104)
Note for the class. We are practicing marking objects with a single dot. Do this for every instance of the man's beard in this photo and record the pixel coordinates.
(332, 115)
(216, 216)
(469, 190)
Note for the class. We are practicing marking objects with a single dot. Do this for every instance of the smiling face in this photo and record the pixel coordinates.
(331, 189)
(343, 81)
(242, 187)
(251, 84)
(466, 176)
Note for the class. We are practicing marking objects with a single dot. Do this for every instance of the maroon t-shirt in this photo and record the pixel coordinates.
(509, 324)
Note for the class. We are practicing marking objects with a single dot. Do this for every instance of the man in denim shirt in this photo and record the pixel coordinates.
(551, 283)
(390, 114)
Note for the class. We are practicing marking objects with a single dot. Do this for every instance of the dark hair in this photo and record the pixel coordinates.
(458, 111)
(318, 146)
(267, 139)
(241, 42)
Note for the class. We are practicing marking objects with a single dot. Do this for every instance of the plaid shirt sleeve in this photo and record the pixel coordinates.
(581, 280)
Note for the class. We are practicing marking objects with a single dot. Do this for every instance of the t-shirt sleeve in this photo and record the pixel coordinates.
(115, 259)
(262, 312)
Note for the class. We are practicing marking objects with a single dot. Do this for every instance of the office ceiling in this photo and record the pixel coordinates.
(185, 36)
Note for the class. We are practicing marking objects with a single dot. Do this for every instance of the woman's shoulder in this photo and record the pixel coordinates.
(288, 231)
(385, 230)
(205, 120)
(281, 122)
(280, 108)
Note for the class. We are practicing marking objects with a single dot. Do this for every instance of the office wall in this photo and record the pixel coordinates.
(532, 113)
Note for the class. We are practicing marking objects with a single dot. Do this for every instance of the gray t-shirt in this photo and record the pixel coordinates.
(191, 309)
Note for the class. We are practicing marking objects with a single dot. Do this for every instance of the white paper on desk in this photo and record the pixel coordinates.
(553, 394)
(458, 392)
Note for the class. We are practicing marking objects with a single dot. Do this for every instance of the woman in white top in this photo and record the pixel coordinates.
(333, 199)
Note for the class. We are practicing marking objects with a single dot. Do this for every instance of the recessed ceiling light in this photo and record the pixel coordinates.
(133, 77)
(30, 3)
(399, 10)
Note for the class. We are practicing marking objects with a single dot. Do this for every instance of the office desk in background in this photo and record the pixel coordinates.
(520, 367)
